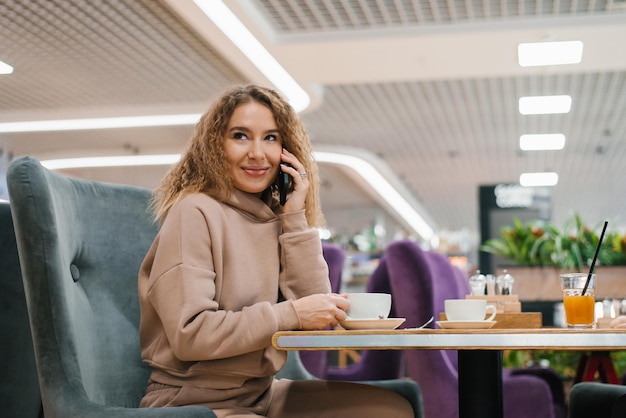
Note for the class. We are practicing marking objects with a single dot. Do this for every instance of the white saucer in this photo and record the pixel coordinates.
(389, 323)
(466, 324)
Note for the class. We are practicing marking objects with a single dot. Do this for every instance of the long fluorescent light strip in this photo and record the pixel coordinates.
(544, 105)
(243, 39)
(99, 123)
(111, 161)
(541, 142)
(538, 179)
(382, 187)
(360, 166)
(549, 53)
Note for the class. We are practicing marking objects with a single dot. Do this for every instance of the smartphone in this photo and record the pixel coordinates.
(284, 183)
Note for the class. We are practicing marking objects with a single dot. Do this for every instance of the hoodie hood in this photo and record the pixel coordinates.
(251, 206)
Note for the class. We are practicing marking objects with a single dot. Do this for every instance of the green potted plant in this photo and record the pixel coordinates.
(539, 243)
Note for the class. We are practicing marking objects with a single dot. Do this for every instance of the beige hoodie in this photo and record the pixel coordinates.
(209, 292)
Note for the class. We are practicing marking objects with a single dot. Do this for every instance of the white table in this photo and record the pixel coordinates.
(480, 352)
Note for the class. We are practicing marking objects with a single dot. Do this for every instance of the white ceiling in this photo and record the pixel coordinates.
(431, 87)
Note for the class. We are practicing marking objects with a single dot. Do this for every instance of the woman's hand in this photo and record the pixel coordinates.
(295, 200)
(619, 322)
(321, 311)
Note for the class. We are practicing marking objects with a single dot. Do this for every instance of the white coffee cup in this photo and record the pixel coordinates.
(468, 310)
(369, 305)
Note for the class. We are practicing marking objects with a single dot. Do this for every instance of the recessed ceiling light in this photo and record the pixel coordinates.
(543, 105)
(249, 45)
(540, 142)
(549, 53)
(5, 68)
(538, 179)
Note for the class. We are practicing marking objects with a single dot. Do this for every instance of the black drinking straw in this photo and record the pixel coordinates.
(595, 257)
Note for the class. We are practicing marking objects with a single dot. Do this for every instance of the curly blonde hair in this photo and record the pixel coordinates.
(203, 166)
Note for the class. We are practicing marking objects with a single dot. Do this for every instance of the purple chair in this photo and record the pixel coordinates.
(335, 257)
(374, 364)
(420, 282)
(316, 362)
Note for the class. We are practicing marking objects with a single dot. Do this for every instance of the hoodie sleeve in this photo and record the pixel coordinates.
(304, 270)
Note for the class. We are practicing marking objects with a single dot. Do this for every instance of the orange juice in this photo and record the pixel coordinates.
(579, 310)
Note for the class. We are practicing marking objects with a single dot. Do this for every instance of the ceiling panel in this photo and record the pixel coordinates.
(443, 135)
(323, 15)
(100, 54)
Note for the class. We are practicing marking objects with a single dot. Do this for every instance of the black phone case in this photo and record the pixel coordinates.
(283, 185)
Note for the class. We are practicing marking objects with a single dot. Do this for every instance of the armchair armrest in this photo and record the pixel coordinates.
(86, 409)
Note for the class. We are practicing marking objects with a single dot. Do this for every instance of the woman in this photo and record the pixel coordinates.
(231, 266)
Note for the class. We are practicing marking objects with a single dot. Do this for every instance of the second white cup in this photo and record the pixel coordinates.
(369, 305)
(468, 310)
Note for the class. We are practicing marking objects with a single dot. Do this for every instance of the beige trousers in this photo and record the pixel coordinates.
(292, 399)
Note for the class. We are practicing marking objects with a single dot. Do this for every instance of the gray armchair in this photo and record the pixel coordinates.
(80, 246)
(598, 400)
(19, 386)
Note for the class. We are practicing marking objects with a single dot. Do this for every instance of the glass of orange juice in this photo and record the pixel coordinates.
(579, 308)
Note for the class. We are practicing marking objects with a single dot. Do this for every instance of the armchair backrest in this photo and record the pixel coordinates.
(411, 281)
(335, 257)
(416, 281)
(81, 244)
(463, 281)
(19, 388)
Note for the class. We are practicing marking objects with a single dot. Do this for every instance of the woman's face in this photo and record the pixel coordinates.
(252, 147)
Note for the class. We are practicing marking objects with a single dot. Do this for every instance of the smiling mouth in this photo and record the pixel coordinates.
(256, 171)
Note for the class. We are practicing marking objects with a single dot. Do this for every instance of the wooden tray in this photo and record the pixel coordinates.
(513, 320)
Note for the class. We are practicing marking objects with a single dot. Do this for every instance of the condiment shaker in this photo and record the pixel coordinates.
(477, 283)
(504, 283)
